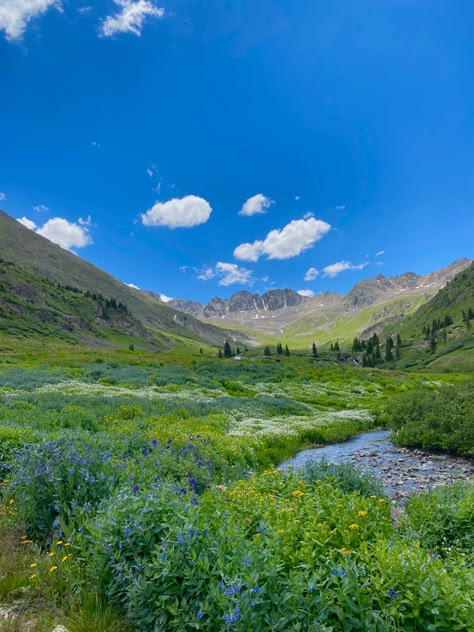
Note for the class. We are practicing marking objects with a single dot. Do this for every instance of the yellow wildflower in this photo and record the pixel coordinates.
(34, 565)
(64, 558)
(362, 513)
(373, 497)
(51, 554)
(280, 531)
(33, 576)
(59, 542)
(12, 502)
(320, 525)
(67, 544)
(353, 526)
(381, 500)
(53, 568)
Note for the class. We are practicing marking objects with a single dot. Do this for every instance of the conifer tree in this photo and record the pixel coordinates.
(336, 346)
(267, 351)
(314, 350)
(227, 350)
(433, 343)
(287, 351)
(388, 350)
(220, 354)
(399, 341)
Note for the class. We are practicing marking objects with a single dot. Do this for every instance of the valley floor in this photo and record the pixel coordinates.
(139, 493)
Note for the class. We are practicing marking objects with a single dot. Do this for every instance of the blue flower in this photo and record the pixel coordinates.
(200, 614)
(392, 593)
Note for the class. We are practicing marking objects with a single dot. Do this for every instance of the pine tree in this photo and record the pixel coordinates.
(336, 346)
(238, 351)
(267, 351)
(201, 351)
(388, 350)
(279, 348)
(227, 350)
(332, 347)
(287, 351)
(470, 313)
(433, 343)
(220, 354)
(314, 350)
(397, 353)
(399, 341)
(445, 335)
(390, 342)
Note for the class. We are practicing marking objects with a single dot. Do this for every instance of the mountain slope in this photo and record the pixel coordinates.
(45, 260)
(451, 345)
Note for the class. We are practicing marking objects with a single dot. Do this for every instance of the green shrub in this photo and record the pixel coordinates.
(443, 519)
(435, 420)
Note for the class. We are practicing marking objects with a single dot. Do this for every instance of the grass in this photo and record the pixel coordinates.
(146, 483)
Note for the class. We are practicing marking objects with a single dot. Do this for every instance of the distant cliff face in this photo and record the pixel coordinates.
(243, 301)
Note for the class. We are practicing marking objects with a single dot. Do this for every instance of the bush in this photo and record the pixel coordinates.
(435, 420)
(345, 476)
(443, 519)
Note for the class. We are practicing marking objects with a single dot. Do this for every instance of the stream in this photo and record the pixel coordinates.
(402, 471)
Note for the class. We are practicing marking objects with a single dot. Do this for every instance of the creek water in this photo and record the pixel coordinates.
(402, 471)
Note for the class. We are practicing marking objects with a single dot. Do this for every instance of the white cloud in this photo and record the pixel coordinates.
(255, 205)
(15, 14)
(150, 172)
(130, 18)
(27, 222)
(340, 208)
(311, 274)
(96, 144)
(2, 196)
(297, 197)
(41, 208)
(165, 299)
(67, 234)
(85, 9)
(185, 212)
(135, 287)
(335, 268)
(306, 293)
(380, 253)
(227, 273)
(290, 241)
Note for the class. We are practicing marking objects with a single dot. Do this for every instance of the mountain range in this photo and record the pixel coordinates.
(46, 290)
(368, 307)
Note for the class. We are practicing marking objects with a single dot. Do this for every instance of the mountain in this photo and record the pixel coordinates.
(367, 308)
(447, 317)
(37, 260)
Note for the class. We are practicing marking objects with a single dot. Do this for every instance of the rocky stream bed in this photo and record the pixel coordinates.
(402, 471)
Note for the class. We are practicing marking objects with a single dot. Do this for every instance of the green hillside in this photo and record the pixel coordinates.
(431, 340)
(44, 260)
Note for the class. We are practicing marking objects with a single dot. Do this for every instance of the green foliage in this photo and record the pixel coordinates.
(443, 519)
(345, 476)
(442, 419)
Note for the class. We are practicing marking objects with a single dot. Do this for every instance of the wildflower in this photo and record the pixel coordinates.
(53, 568)
(381, 500)
(361, 513)
(11, 502)
(200, 614)
(320, 525)
(67, 544)
(59, 542)
(51, 554)
(392, 593)
(353, 526)
(34, 565)
(33, 576)
(280, 531)
(64, 558)
(373, 497)
(297, 492)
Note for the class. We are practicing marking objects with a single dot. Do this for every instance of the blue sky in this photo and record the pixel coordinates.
(133, 132)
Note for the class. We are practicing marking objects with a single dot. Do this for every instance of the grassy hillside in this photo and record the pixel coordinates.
(451, 347)
(45, 260)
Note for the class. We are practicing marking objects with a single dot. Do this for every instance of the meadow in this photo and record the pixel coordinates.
(141, 492)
